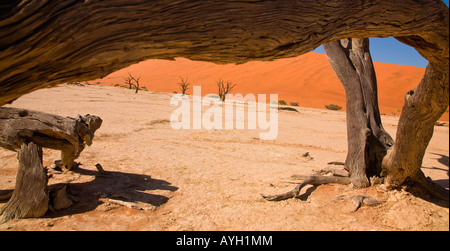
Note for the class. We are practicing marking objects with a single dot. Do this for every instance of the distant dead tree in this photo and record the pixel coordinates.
(129, 81)
(224, 89)
(184, 85)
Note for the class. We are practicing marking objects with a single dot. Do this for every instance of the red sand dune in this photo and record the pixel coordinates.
(307, 79)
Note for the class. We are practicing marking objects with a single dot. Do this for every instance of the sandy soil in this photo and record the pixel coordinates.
(212, 179)
(307, 79)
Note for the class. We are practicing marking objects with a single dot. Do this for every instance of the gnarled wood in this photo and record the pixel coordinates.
(43, 42)
(19, 126)
(367, 140)
(30, 197)
(308, 180)
(27, 132)
(423, 107)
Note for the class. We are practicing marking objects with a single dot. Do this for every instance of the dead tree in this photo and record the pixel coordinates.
(224, 89)
(367, 140)
(184, 85)
(129, 81)
(422, 108)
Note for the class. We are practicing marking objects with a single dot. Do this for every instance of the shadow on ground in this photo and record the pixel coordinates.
(443, 159)
(129, 187)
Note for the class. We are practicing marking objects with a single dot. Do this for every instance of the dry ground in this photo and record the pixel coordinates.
(212, 179)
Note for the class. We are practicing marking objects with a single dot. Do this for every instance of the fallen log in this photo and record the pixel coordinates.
(70, 135)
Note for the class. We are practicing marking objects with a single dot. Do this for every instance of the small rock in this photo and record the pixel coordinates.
(307, 156)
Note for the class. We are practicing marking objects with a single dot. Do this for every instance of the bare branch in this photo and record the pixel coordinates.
(224, 89)
(129, 81)
(184, 85)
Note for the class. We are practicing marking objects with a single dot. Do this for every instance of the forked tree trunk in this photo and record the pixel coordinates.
(30, 197)
(369, 145)
(423, 107)
(371, 150)
(367, 140)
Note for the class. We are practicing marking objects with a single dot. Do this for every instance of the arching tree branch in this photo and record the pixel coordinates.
(44, 43)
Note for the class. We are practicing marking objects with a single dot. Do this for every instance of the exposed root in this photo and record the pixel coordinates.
(360, 200)
(340, 176)
(334, 172)
(308, 180)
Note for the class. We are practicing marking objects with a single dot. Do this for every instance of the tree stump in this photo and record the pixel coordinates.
(30, 197)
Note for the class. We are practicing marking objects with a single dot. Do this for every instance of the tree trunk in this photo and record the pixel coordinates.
(423, 107)
(18, 126)
(367, 139)
(30, 197)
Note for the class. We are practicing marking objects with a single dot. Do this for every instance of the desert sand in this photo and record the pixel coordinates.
(307, 79)
(212, 179)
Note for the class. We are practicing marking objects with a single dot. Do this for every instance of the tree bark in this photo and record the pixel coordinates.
(44, 43)
(30, 197)
(367, 140)
(423, 107)
(19, 126)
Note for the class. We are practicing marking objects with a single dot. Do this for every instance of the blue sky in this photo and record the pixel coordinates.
(389, 50)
